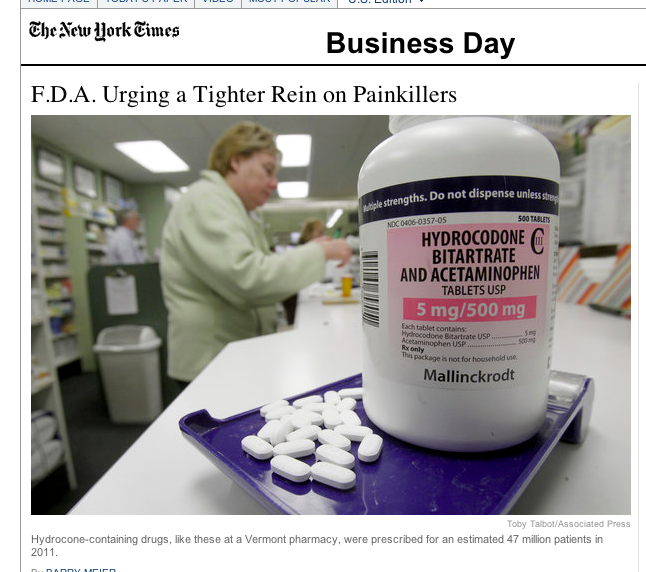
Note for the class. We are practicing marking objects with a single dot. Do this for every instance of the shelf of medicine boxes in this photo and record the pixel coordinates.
(99, 224)
(46, 269)
(57, 283)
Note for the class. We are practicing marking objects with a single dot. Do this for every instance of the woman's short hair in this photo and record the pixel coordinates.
(311, 227)
(245, 139)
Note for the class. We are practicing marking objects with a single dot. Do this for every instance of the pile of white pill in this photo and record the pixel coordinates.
(291, 431)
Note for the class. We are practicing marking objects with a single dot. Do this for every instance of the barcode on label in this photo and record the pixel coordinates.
(370, 287)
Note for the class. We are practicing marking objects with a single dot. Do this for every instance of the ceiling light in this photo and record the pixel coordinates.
(293, 189)
(296, 150)
(333, 218)
(153, 155)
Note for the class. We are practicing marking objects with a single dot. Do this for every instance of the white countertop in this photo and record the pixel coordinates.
(163, 474)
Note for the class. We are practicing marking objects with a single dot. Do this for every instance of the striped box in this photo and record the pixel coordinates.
(575, 286)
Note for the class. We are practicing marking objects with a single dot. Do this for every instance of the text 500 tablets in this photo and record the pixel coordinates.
(459, 236)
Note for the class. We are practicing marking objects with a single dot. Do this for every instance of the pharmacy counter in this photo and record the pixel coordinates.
(163, 474)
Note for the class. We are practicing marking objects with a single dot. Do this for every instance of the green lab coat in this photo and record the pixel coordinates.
(220, 280)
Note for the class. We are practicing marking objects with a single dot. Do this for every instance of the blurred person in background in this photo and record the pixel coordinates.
(311, 229)
(122, 244)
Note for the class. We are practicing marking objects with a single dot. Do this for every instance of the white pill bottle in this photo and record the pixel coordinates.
(459, 235)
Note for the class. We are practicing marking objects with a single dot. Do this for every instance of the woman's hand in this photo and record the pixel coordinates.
(335, 249)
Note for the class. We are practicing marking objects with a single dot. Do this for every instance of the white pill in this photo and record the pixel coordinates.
(310, 432)
(333, 475)
(353, 432)
(273, 405)
(279, 412)
(349, 417)
(281, 431)
(346, 403)
(331, 418)
(370, 448)
(314, 417)
(299, 419)
(331, 397)
(333, 454)
(309, 399)
(330, 437)
(317, 407)
(290, 468)
(257, 447)
(354, 392)
(297, 448)
(267, 429)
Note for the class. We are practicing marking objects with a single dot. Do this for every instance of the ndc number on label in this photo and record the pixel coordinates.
(424, 221)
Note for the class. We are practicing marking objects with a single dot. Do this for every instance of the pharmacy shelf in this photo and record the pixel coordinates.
(49, 269)
(68, 246)
(97, 235)
(51, 262)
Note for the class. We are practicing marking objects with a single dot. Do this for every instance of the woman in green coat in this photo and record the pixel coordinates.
(220, 280)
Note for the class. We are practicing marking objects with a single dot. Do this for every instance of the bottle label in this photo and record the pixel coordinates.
(458, 280)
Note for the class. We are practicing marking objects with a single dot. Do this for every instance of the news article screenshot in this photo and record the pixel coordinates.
(327, 283)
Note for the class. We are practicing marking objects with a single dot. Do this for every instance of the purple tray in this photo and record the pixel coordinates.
(406, 479)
